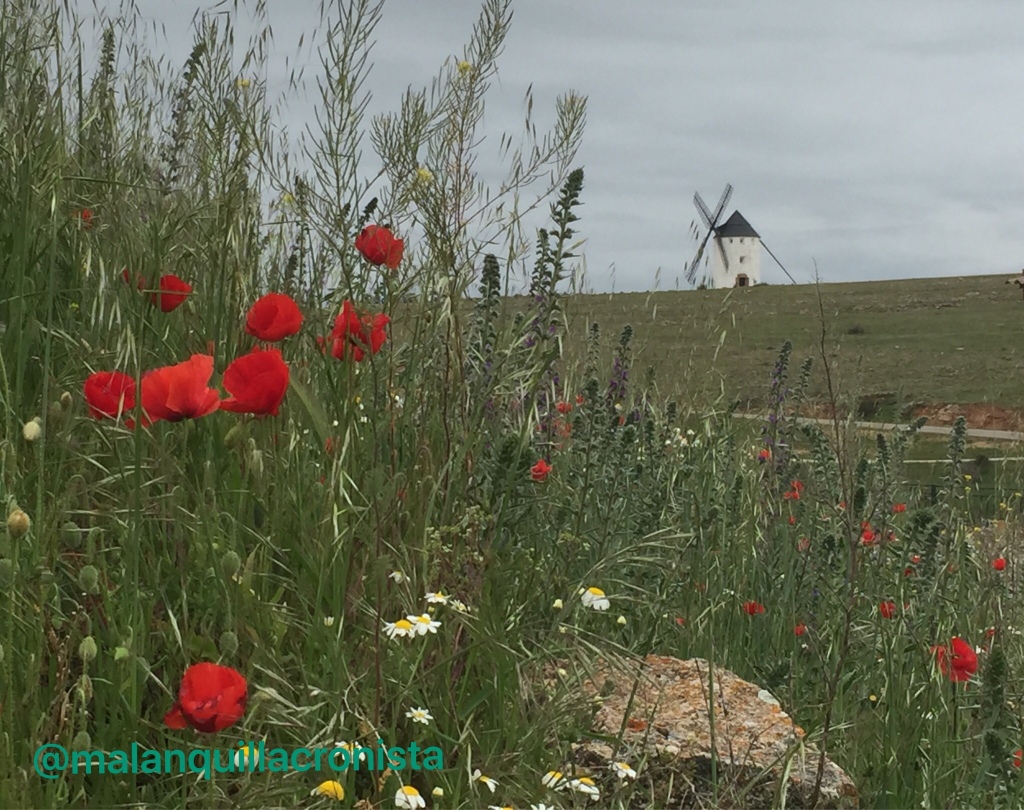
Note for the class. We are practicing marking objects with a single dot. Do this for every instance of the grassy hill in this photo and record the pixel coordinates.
(924, 340)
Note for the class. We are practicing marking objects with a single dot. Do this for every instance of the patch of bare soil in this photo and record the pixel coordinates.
(979, 415)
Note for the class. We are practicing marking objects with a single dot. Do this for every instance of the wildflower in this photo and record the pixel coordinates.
(273, 317)
(354, 334)
(753, 608)
(243, 83)
(328, 621)
(172, 294)
(18, 523)
(999, 563)
(792, 520)
(84, 217)
(352, 747)
(257, 382)
(595, 598)
(419, 716)
(957, 662)
(1018, 758)
(424, 175)
(897, 508)
(621, 620)
(459, 605)
(464, 67)
(490, 783)
(437, 793)
(379, 246)
(800, 629)
(180, 391)
(968, 477)
(211, 698)
(764, 455)
(540, 470)
(437, 598)
(803, 544)
(399, 629)
(915, 558)
(680, 621)
(423, 624)
(109, 393)
(564, 407)
(796, 487)
(887, 609)
(553, 780)
(330, 789)
(246, 753)
(32, 430)
(557, 604)
(867, 534)
(409, 798)
(623, 770)
(586, 786)
(398, 577)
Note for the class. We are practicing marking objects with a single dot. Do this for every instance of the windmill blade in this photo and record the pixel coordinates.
(705, 214)
(722, 202)
(691, 271)
(721, 252)
(784, 270)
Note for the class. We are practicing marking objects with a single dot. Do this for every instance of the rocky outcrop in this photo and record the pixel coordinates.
(660, 706)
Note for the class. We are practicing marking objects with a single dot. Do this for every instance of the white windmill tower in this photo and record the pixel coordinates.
(737, 260)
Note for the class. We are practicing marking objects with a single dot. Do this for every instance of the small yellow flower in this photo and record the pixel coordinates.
(401, 628)
(490, 783)
(32, 430)
(437, 793)
(409, 798)
(967, 477)
(330, 789)
(419, 716)
(557, 604)
(623, 770)
(424, 175)
(595, 598)
(873, 698)
(621, 620)
(464, 67)
(243, 83)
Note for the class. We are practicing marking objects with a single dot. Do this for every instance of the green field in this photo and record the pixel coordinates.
(925, 340)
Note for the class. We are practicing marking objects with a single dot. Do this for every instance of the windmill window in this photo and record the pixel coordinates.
(741, 240)
(742, 258)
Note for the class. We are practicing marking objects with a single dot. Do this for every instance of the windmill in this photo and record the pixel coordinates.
(737, 259)
(711, 223)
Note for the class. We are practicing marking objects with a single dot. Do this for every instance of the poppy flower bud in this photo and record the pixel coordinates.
(235, 436)
(6, 573)
(18, 523)
(87, 650)
(229, 564)
(84, 687)
(32, 430)
(89, 579)
(228, 644)
(82, 742)
(65, 400)
(69, 533)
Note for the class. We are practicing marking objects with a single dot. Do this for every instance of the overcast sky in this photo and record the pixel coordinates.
(883, 140)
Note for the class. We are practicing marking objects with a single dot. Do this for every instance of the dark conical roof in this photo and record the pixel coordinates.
(736, 225)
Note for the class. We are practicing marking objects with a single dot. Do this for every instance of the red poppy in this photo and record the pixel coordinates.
(999, 563)
(540, 470)
(273, 317)
(579, 399)
(794, 493)
(803, 544)
(84, 218)
(868, 536)
(959, 664)
(764, 455)
(140, 282)
(109, 394)
(915, 559)
(800, 629)
(680, 621)
(180, 391)
(792, 520)
(211, 698)
(173, 292)
(753, 608)
(564, 407)
(887, 609)
(908, 571)
(353, 334)
(257, 382)
(380, 246)
(899, 507)
(1018, 758)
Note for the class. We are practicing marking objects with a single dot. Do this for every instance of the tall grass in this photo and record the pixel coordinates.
(272, 545)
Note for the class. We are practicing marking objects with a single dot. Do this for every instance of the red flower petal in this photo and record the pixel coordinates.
(273, 317)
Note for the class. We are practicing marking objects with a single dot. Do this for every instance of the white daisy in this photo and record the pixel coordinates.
(623, 770)
(491, 783)
(422, 624)
(419, 716)
(351, 748)
(460, 606)
(401, 628)
(437, 598)
(398, 577)
(554, 780)
(244, 755)
(328, 621)
(409, 798)
(595, 598)
(330, 789)
(586, 786)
